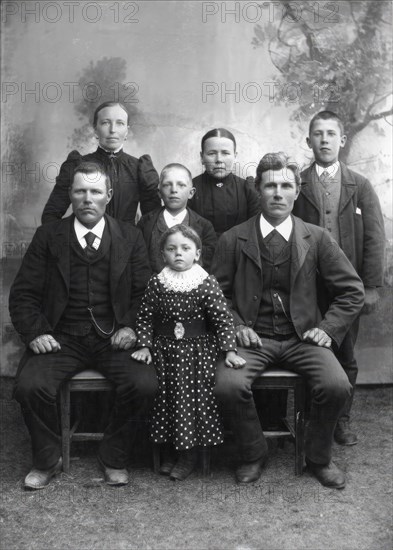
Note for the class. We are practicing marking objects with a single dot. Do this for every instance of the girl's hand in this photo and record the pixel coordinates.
(142, 355)
(234, 361)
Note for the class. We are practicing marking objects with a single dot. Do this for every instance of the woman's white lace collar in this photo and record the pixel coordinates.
(182, 281)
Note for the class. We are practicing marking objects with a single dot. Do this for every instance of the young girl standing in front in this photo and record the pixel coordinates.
(183, 324)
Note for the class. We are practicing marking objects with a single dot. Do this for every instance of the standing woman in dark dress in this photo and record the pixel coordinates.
(133, 180)
(221, 197)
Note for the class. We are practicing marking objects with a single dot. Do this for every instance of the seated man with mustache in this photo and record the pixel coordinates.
(74, 303)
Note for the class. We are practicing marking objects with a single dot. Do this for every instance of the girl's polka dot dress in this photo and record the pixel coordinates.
(185, 412)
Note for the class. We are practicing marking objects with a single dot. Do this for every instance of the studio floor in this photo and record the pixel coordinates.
(280, 511)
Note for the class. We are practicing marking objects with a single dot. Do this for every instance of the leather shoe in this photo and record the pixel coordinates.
(167, 466)
(327, 474)
(169, 459)
(343, 433)
(184, 466)
(250, 471)
(114, 476)
(38, 479)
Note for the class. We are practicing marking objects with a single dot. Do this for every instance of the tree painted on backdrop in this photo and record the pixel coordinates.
(103, 81)
(340, 54)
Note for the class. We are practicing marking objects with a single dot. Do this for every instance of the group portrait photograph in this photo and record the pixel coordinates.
(196, 213)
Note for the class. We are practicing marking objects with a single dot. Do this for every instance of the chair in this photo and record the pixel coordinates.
(284, 379)
(271, 379)
(87, 380)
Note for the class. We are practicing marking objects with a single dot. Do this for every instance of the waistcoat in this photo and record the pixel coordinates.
(89, 287)
(274, 315)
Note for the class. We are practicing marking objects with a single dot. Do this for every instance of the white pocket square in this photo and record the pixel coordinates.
(358, 211)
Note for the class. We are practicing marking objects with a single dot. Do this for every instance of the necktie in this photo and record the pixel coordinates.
(90, 251)
(324, 176)
(276, 244)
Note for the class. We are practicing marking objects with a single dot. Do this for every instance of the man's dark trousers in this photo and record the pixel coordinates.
(40, 377)
(325, 379)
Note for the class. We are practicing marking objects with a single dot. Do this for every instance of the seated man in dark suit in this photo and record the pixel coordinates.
(176, 189)
(74, 303)
(268, 269)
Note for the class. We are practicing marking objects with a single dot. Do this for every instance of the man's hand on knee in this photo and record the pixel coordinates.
(123, 339)
(318, 337)
(44, 344)
(247, 337)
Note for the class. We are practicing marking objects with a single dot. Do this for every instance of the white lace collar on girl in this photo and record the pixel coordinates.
(182, 281)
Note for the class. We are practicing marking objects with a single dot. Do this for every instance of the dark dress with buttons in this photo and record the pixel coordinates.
(133, 181)
(224, 203)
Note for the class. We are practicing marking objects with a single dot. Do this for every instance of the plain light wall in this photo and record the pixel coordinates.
(170, 52)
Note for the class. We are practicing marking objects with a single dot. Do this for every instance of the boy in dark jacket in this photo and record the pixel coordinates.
(175, 189)
(345, 203)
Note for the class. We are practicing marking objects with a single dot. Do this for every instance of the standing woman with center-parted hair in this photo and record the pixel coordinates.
(222, 197)
(134, 181)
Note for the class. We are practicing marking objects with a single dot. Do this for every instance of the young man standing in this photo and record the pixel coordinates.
(345, 203)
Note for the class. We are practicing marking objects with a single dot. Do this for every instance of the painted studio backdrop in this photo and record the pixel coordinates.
(259, 69)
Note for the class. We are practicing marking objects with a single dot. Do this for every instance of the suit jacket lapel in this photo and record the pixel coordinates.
(149, 225)
(120, 253)
(251, 247)
(59, 246)
(192, 218)
(348, 187)
(300, 248)
(308, 187)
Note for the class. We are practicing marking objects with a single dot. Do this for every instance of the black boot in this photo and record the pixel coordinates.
(343, 433)
(185, 465)
(169, 459)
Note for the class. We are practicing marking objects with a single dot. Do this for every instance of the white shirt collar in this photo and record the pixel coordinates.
(284, 228)
(81, 231)
(331, 170)
(172, 220)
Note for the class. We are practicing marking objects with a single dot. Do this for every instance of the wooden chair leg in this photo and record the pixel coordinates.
(206, 456)
(156, 458)
(299, 409)
(65, 413)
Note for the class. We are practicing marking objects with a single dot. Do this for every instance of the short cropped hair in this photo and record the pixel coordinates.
(177, 166)
(86, 167)
(219, 132)
(108, 104)
(326, 115)
(276, 161)
(186, 231)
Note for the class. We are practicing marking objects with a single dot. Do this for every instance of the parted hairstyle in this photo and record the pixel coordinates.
(326, 115)
(219, 132)
(87, 167)
(108, 104)
(175, 165)
(276, 161)
(186, 231)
